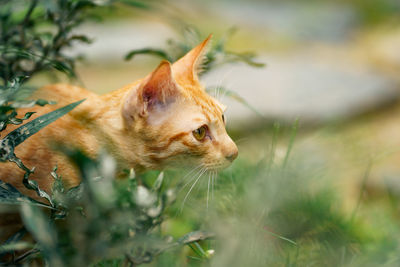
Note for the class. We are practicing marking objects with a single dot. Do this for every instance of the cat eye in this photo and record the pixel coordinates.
(200, 133)
(223, 118)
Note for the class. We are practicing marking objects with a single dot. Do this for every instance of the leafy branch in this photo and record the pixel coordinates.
(19, 135)
(26, 49)
(217, 54)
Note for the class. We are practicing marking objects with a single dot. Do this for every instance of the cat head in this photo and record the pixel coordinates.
(175, 119)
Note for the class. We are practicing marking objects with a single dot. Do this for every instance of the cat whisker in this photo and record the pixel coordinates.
(219, 93)
(215, 92)
(220, 82)
(208, 187)
(224, 93)
(241, 140)
(212, 186)
(190, 172)
(192, 178)
(191, 188)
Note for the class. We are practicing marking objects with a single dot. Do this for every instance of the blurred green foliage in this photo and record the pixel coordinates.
(272, 213)
(377, 11)
(216, 55)
(27, 46)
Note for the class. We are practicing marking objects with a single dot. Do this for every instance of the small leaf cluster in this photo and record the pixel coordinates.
(11, 98)
(34, 35)
(217, 54)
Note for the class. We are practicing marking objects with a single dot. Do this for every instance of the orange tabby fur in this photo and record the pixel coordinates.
(145, 125)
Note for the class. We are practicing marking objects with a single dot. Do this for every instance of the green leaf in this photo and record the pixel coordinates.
(20, 134)
(31, 103)
(15, 121)
(28, 115)
(10, 195)
(158, 183)
(76, 193)
(136, 3)
(81, 38)
(21, 245)
(63, 66)
(15, 238)
(281, 237)
(149, 51)
(194, 237)
(43, 232)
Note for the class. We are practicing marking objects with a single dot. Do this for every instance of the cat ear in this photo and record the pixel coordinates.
(189, 65)
(156, 91)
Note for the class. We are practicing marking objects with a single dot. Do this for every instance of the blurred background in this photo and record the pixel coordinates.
(332, 65)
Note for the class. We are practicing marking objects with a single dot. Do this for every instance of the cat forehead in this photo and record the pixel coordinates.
(208, 105)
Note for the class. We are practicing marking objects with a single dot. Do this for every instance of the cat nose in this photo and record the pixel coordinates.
(232, 155)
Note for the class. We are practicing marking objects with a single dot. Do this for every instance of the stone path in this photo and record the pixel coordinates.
(306, 87)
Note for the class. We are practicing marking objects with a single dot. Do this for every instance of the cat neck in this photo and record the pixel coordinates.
(110, 130)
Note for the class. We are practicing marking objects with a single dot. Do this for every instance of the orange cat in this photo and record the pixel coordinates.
(165, 119)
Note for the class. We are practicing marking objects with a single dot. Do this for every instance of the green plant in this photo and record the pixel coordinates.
(106, 218)
(217, 54)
